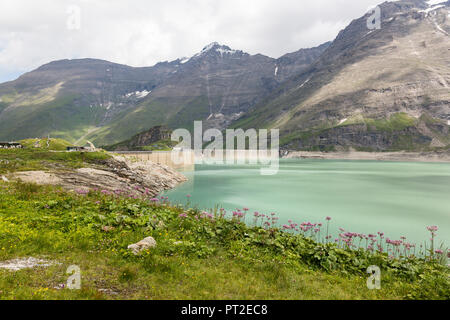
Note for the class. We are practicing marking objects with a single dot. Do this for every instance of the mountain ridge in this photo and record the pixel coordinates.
(366, 83)
(369, 89)
(103, 97)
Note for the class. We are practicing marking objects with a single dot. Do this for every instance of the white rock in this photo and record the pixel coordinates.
(142, 245)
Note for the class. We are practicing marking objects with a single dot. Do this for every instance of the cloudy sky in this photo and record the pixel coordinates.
(143, 32)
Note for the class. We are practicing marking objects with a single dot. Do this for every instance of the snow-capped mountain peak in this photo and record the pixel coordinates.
(216, 49)
(210, 47)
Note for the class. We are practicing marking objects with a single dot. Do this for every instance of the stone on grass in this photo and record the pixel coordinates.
(142, 245)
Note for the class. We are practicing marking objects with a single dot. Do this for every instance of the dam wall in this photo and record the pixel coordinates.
(185, 160)
(164, 158)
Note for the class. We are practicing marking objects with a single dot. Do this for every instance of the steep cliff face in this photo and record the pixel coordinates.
(383, 89)
(294, 63)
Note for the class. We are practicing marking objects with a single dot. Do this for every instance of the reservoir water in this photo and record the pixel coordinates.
(397, 198)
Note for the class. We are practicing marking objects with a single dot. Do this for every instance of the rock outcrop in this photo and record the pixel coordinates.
(142, 245)
(116, 175)
(142, 139)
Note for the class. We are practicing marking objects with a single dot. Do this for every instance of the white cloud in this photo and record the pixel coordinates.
(143, 32)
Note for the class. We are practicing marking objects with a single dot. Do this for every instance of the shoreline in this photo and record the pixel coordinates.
(438, 157)
(115, 174)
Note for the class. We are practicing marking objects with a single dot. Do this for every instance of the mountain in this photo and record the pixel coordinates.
(69, 98)
(370, 89)
(381, 89)
(217, 85)
(104, 102)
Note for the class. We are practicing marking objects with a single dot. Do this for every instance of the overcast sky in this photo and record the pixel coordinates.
(144, 32)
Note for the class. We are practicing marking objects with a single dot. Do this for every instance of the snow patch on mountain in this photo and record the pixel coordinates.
(303, 84)
(432, 8)
(210, 46)
(342, 121)
(138, 94)
(224, 50)
(216, 47)
(434, 2)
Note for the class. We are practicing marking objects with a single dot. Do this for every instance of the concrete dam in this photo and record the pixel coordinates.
(185, 160)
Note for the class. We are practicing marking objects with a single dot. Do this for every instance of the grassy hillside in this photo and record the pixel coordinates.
(175, 113)
(46, 144)
(399, 132)
(161, 145)
(59, 118)
(42, 157)
(39, 159)
(199, 255)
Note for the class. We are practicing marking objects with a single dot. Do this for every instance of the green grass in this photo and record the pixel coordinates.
(9, 97)
(400, 128)
(53, 144)
(58, 118)
(162, 145)
(38, 159)
(215, 259)
(3, 106)
(176, 113)
(397, 122)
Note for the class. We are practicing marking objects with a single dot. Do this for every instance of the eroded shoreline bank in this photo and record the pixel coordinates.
(112, 175)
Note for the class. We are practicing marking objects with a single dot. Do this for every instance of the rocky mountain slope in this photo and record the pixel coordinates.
(70, 97)
(370, 89)
(381, 89)
(106, 102)
(147, 138)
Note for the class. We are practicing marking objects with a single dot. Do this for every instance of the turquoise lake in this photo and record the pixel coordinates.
(397, 198)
